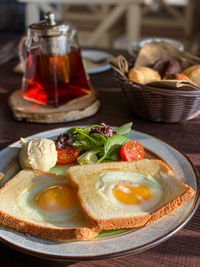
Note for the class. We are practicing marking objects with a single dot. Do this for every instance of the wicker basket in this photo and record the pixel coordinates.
(160, 104)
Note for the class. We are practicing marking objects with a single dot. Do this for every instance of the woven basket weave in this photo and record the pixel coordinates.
(160, 104)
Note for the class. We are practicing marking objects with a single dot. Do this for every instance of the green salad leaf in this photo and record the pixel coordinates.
(113, 145)
(82, 134)
(124, 129)
(88, 157)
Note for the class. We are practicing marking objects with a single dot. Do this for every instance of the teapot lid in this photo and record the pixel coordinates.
(49, 26)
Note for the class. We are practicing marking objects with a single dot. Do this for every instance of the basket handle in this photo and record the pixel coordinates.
(120, 65)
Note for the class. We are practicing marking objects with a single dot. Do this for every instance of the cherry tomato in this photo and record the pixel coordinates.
(67, 155)
(132, 150)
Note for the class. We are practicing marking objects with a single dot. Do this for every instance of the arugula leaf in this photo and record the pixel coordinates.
(80, 134)
(112, 144)
(114, 156)
(101, 139)
(88, 157)
(74, 130)
(124, 129)
(83, 145)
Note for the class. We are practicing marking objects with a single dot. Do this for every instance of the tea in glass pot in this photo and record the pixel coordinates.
(54, 72)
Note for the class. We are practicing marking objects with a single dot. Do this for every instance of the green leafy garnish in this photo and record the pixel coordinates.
(88, 157)
(113, 145)
(124, 129)
(99, 142)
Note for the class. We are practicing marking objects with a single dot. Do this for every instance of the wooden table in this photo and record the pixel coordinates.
(183, 249)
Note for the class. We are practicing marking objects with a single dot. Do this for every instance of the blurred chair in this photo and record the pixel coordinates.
(103, 14)
(172, 17)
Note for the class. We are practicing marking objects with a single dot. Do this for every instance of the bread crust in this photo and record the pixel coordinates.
(46, 232)
(132, 221)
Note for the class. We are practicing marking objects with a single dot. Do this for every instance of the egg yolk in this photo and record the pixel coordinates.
(130, 194)
(56, 198)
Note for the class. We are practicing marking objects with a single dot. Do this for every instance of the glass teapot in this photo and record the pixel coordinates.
(54, 72)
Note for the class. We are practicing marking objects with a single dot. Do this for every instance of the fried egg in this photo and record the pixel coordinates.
(130, 191)
(52, 203)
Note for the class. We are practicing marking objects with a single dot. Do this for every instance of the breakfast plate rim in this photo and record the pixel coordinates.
(120, 252)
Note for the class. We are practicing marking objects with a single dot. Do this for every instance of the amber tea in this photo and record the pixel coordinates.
(54, 80)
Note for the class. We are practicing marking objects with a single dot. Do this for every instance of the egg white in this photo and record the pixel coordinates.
(27, 204)
(108, 180)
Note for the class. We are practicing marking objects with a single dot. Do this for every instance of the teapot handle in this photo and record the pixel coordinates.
(22, 52)
(24, 44)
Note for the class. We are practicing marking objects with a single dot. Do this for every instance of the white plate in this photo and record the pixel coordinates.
(129, 242)
(93, 67)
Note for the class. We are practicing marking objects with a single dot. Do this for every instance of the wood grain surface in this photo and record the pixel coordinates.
(183, 249)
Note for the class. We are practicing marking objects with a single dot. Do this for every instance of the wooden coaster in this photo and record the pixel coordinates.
(76, 109)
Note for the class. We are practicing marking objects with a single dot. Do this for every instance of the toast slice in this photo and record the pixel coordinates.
(103, 208)
(19, 209)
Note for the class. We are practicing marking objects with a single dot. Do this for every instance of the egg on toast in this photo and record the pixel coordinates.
(118, 195)
(44, 205)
